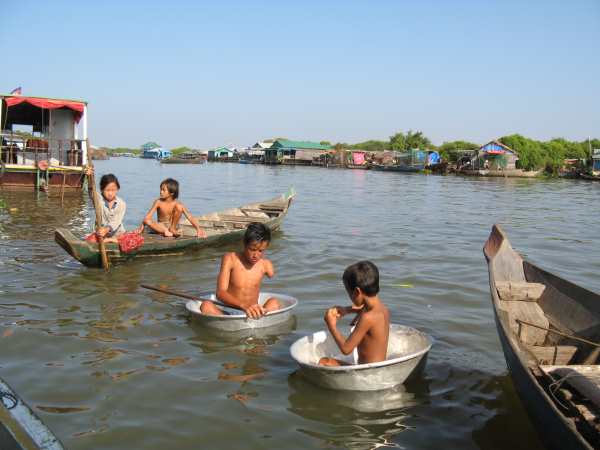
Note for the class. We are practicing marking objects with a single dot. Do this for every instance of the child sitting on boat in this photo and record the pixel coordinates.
(241, 274)
(168, 212)
(113, 209)
(370, 335)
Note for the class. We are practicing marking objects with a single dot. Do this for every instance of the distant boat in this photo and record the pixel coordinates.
(546, 327)
(398, 168)
(185, 158)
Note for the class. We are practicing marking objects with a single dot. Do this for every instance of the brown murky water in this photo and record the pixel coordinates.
(108, 365)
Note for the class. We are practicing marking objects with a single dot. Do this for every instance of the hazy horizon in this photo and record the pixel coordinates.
(204, 75)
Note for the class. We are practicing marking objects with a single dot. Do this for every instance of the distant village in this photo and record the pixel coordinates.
(491, 159)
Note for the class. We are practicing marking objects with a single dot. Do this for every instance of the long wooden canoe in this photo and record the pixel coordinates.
(221, 227)
(547, 328)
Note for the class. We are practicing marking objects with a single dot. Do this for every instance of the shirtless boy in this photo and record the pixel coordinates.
(238, 284)
(168, 212)
(371, 332)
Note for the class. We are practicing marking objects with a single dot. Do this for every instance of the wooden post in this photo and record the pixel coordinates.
(62, 188)
(101, 247)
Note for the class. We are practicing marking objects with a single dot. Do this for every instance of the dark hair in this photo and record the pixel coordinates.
(364, 275)
(107, 179)
(172, 186)
(257, 232)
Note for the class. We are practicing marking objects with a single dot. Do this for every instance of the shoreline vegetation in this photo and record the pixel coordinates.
(546, 156)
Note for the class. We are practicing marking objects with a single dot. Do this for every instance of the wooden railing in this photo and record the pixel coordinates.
(16, 149)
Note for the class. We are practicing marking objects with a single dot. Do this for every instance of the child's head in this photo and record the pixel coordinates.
(256, 241)
(109, 186)
(169, 188)
(360, 280)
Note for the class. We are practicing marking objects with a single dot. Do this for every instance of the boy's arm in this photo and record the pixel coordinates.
(269, 269)
(199, 231)
(347, 345)
(148, 216)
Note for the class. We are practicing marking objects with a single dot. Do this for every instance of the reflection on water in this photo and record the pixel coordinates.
(110, 365)
(354, 419)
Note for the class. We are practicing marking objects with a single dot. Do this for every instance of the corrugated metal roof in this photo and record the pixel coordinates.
(284, 143)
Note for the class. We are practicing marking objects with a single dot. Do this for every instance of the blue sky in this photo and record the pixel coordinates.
(204, 74)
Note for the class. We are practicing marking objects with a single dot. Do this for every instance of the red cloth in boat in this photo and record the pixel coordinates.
(128, 242)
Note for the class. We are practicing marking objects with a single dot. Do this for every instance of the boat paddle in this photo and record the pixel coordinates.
(101, 247)
(184, 295)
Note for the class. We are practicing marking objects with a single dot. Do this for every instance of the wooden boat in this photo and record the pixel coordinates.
(221, 227)
(236, 320)
(398, 168)
(406, 354)
(20, 428)
(365, 166)
(587, 176)
(541, 320)
(184, 158)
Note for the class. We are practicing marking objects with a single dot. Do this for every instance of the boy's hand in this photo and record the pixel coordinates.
(102, 232)
(254, 311)
(341, 310)
(331, 317)
(140, 229)
(200, 233)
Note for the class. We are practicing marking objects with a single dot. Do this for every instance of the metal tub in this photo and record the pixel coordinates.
(407, 353)
(236, 320)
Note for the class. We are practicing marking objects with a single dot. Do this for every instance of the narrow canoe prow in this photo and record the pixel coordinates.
(494, 242)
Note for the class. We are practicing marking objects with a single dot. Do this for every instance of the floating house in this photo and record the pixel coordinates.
(284, 151)
(44, 142)
(493, 159)
(596, 162)
(262, 145)
(151, 150)
(222, 154)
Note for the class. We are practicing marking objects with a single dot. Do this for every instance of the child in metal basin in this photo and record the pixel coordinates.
(241, 274)
(370, 335)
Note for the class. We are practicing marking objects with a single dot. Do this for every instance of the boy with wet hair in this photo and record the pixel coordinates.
(238, 283)
(370, 335)
(168, 212)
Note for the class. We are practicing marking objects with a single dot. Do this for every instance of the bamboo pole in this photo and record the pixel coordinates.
(184, 295)
(570, 336)
(101, 247)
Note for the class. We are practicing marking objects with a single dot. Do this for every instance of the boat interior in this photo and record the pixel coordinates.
(226, 221)
(555, 325)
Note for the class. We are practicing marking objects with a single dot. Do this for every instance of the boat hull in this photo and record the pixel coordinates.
(20, 428)
(407, 355)
(236, 320)
(556, 431)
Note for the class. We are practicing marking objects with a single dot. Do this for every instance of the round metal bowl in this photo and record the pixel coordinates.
(236, 320)
(407, 353)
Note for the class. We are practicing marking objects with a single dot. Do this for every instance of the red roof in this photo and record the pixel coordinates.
(48, 103)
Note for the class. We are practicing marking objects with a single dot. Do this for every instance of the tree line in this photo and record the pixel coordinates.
(533, 154)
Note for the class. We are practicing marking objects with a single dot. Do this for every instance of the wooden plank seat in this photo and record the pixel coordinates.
(519, 291)
(244, 219)
(553, 354)
(529, 312)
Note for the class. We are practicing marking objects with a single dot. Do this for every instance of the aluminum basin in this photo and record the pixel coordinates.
(407, 352)
(236, 320)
